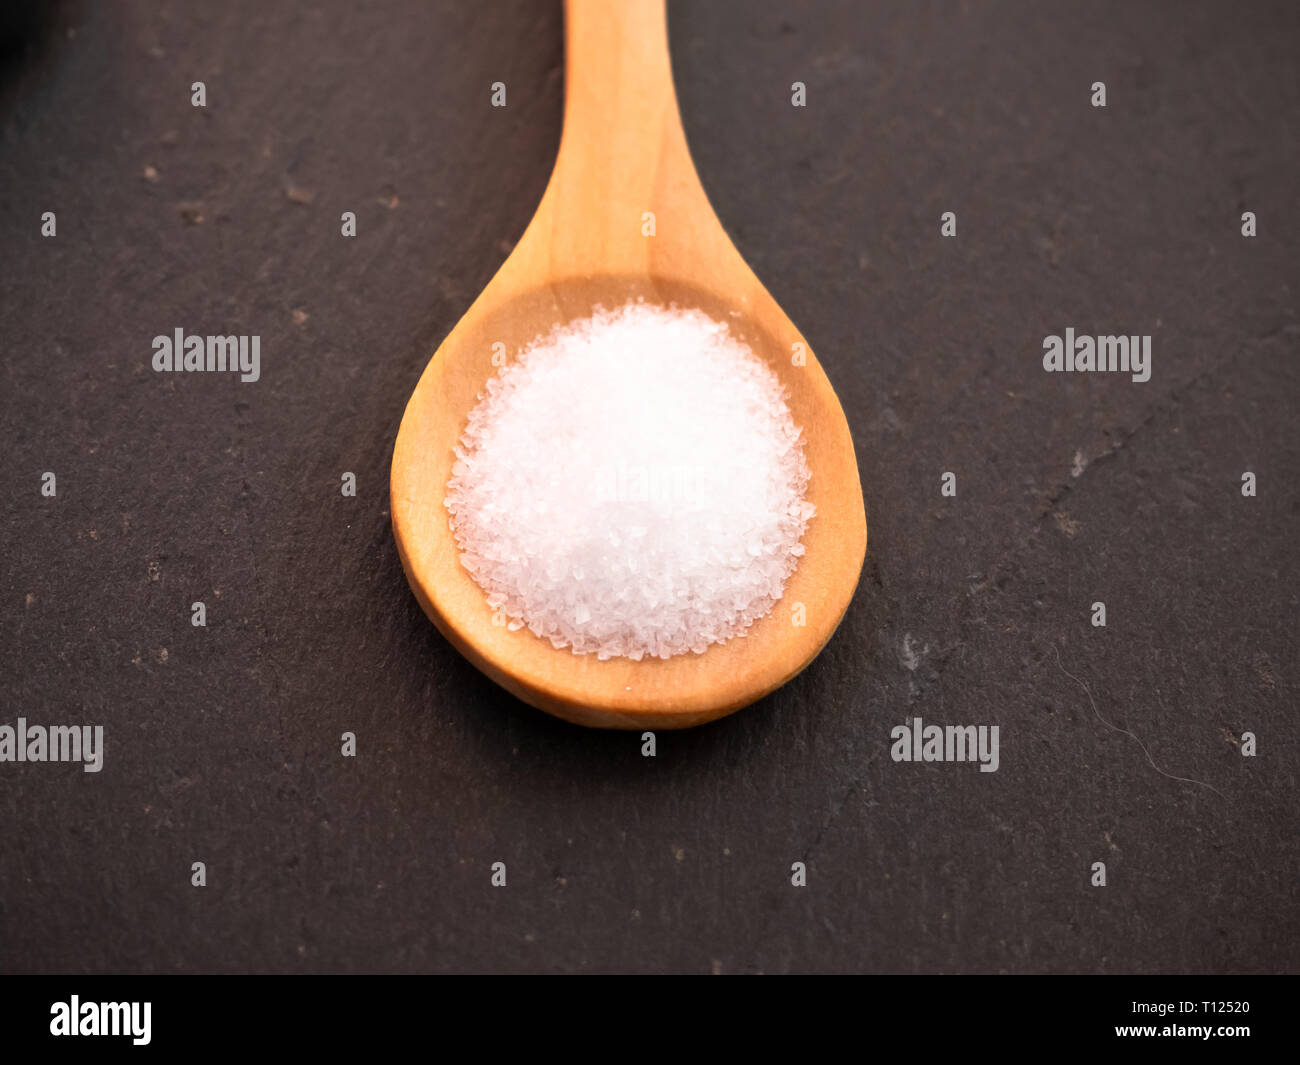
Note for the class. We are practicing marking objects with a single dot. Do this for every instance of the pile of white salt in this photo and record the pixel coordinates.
(632, 484)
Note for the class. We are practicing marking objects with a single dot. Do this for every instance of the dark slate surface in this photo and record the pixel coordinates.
(223, 745)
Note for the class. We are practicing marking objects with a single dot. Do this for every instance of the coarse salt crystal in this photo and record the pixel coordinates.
(632, 485)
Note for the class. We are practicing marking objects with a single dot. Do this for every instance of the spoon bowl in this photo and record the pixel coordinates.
(624, 217)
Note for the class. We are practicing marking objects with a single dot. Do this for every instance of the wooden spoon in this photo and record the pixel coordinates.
(623, 158)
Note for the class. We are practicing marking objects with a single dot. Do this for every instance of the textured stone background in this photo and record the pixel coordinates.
(223, 745)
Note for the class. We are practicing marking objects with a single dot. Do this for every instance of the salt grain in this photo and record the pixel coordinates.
(632, 485)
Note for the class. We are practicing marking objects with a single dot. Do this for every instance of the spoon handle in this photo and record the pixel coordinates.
(618, 84)
(624, 190)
